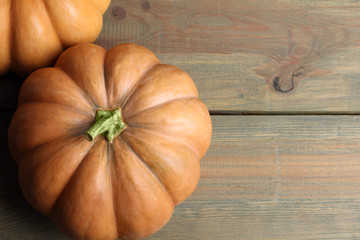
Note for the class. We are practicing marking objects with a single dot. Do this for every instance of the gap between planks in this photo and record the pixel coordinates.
(276, 113)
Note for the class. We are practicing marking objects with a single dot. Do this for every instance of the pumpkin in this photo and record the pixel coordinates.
(109, 142)
(34, 32)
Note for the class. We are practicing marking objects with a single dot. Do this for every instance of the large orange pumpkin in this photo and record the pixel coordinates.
(108, 142)
(34, 32)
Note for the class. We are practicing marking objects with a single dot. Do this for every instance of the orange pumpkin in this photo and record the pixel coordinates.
(108, 142)
(34, 32)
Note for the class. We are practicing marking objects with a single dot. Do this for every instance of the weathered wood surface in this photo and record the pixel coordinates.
(264, 177)
(276, 177)
(252, 55)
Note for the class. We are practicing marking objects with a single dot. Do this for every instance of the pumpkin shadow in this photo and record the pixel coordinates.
(10, 85)
(18, 220)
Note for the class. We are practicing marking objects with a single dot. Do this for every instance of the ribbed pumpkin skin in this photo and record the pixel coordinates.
(34, 32)
(99, 190)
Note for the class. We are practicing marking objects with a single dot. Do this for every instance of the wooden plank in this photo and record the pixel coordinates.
(251, 56)
(224, 89)
(264, 177)
(275, 177)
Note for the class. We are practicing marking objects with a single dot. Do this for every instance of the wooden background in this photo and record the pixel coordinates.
(282, 82)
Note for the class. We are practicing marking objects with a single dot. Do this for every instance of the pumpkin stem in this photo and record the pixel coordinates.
(108, 123)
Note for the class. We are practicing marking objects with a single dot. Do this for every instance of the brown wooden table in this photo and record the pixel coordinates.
(282, 82)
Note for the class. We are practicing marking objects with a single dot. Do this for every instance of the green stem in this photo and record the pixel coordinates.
(108, 123)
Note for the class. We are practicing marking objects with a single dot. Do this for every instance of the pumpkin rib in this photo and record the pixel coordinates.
(177, 118)
(82, 69)
(163, 65)
(71, 177)
(7, 37)
(105, 82)
(63, 38)
(171, 138)
(157, 150)
(62, 106)
(123, 55)
(71, 128)
(72, 211)
(158, 105)
(110, 160)
(53, 25)
(148, 168)
(35, 42)
(131, 91)
(40, 162)
(132, 178)
(162, 83)
(23, 156)
(36, 86)
(11, 35)
(91, 101)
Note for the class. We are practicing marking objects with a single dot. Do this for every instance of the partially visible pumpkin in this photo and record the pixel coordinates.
(34, 32)
(147, 127)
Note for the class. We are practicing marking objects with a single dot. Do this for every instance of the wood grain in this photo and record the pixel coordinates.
(264, 177)
(275, 177)
(251, 56)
